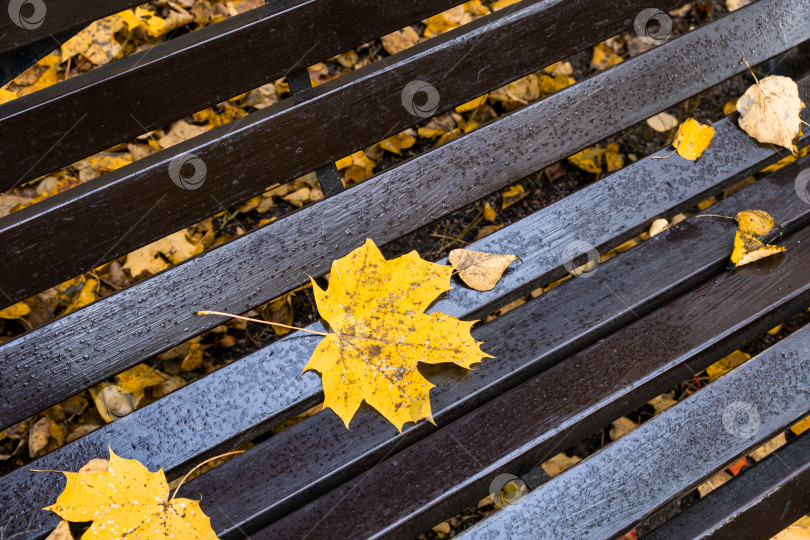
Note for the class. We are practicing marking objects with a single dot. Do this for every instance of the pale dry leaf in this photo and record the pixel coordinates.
(559, 463)
(798, 530)
(734, 5)
(61, 532)
(769, 111)
(662, 122)
(767, 448)
(179, 132)
(713, 483)
(480, 271)
(658, 226)
(661, 403)
(399, 40)
(621, 427)
(748, 248)
(38, 437)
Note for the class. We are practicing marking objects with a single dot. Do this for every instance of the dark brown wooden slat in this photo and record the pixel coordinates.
(102, 339)
(271, 478)
(755, 505)
(691, 436)
(144, 91)
(453, 468)
(150, 434)
(112, 215)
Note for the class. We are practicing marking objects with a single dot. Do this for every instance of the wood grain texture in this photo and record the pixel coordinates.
(756, 505)
(119, 101)
(691, 434)
(115, 333)
(120, 211)
(454, 467)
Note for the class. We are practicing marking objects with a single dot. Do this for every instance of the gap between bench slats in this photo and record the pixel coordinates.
(667, 455)
(119, 101)
(115, 333)
(150, 434)
(270, 480)
(75, 231)
(757, 504)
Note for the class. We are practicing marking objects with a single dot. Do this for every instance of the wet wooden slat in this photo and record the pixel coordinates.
(75, 231)
(115, 333)
(453, 468)
(755, 505)
(119, 101)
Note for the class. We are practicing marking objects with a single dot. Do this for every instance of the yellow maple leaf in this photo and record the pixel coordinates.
(375, 308)
(692, 139)
(128, 501)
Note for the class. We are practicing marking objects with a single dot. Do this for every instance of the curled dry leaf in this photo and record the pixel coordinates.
(481, 271)
(748, 248)
(769, 111)
(125, 499)
(662, 122)
(375, 309)
(692, 139)
(755, 222)
(658, 226)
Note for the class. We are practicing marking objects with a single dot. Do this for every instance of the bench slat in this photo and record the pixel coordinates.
(75, 231)
(119, 101)
(271, 480)
(667, 455)
(757, 504)
(150, 434)
(454, 468)
(117, 332)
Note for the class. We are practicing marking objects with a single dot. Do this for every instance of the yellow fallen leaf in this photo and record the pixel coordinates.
(472, 105)
(604, 57)
(278, 311)
(755, 222)
(726, 364)
(379, 333)
(61, 532)
(551, 84)
(748, 248)
(139, 377)
(798, 530)
(441, 23)
(662, 122)
(692, 139)
(658, 226)
(590, 159)
(489, 212)
(86, 296)
(399, 142)
(801, 426)
(194, 358)
(559, 463)
(512, 195)
(128, 500)
(481, 271)
(769, 111)
(730, 107)
(151, 259)
(17, 311)
(400, 40)
(734, 5)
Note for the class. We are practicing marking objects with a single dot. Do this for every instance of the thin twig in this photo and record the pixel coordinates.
(206, 312)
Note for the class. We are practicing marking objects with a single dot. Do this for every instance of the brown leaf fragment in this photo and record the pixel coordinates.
(61, 532)
(480, 271)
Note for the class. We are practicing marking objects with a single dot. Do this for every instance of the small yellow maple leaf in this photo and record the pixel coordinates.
(692, 139)
(128, 501)
(375, 308)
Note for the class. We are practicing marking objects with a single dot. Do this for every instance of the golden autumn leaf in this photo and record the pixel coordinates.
(128, 501)
(692, 139)
(769, 111)
(748, 248)
(755, 222)
(481, 271)
(604, 57)
(511, 195)
(17, 311)
(726, 364)
(375, 308)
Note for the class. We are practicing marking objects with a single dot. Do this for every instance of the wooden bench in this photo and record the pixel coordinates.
(568, 362)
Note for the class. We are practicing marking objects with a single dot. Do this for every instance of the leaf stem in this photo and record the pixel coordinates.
(207, 312)
(715, 215)
(200, 465)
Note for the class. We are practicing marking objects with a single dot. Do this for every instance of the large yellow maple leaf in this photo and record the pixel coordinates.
(128, 501)
(375, 309)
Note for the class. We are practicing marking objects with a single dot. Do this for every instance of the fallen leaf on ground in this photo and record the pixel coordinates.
(734, 5)
(755, 222)
(17, 311)
(590, 159)
(126, 499)
(767, 448)
(379, 333)
(279, 311)
(658, 226)
(512, 195)
(621, 427)
(559, 463)
(489, 212)
(801, 426)
(692, 139)
(400, 40)
(798, 530)
(38, 437)
(662, 122)
(399, 142)
(769, 111)
(61, 532)
(713, 483)
(726, 364)
(151, 259)
(481, 271)
(138, 378)
(748, 248)
(604, 57)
